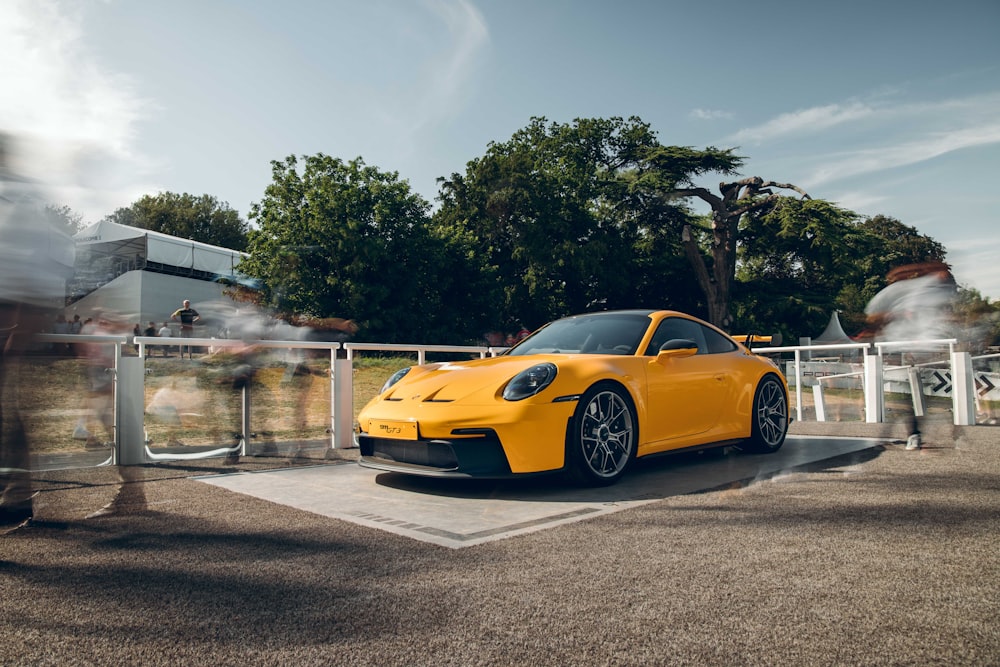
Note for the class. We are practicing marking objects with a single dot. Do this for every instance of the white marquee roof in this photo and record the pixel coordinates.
(114, 239)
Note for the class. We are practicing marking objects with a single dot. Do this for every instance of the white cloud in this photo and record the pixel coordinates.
(885, 136)
(916, 118)
(710, 114)
(974, 263)
(859, 201)
(448, 75)
(911, 151)
(74, 121)
(805, 120)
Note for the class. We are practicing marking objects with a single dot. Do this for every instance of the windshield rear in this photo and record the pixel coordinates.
(600, 333)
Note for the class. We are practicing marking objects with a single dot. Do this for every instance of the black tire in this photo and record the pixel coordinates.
(769, 417)
(603, 435)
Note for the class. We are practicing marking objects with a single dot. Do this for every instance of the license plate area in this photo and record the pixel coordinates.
(396, 430)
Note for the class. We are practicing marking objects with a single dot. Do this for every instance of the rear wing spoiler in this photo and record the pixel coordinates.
(774, 340)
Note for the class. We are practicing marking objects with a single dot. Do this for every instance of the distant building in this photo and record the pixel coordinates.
(144, 275)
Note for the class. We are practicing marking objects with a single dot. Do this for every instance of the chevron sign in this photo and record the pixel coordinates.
(940, 382)
(984, 385)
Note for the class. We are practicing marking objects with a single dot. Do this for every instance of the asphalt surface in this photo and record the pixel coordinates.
(878, 557)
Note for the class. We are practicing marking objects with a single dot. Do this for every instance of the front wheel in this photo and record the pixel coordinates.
(770, 417)
(602, 438)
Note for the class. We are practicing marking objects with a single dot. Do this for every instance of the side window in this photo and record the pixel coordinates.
(708, 340)
(716, 342)
(676, 327)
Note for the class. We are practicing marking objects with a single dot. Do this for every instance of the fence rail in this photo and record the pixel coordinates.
(130, 446)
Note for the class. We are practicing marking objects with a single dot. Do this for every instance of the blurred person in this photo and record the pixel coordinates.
(130, 498)
(300, 376)
(36, 259)
(165, 332)
(149, 332)
(235, 366)
(915, 306)
(74, 328)
(187, 316)
(97, 423)
(60, 326)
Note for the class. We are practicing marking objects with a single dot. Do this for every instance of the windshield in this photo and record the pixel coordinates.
(600, 333)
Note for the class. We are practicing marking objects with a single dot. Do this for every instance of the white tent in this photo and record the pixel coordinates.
(834, 333)
(144, 275)
(141, 246)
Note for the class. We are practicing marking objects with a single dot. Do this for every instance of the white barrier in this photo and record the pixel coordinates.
(129, 373)
(961, 378)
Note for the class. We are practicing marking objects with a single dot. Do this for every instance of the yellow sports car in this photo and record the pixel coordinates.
(585, 394)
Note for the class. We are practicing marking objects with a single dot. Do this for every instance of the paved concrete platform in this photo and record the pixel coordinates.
(461, 513)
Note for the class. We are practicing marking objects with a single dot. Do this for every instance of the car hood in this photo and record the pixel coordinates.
(448, 382)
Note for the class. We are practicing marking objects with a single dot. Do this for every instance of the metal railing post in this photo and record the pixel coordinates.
(819, 402)
(963, 384)
(342, 395)
(129, 406)
(916, 390)
(798, 384)
(332, 428)
(246, 408)
(874, 391)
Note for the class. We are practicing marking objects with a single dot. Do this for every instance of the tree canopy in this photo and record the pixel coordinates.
(343, 239)
(64, 219)
(561, 218)
(556, 229)
(203, 219)
(668, 172)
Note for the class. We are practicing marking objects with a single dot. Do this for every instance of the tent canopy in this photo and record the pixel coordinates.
(113, 239)
(834, 333)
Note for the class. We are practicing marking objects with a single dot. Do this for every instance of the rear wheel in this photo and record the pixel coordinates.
(770, 417)
(602, 438)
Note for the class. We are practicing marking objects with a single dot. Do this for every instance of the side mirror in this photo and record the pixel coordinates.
(676, 348)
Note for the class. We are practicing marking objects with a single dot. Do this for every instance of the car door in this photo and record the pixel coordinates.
(686, 394)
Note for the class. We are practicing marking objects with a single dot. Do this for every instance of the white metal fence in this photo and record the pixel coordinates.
(131, 447)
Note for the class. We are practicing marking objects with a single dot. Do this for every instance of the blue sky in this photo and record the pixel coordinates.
(888, 107)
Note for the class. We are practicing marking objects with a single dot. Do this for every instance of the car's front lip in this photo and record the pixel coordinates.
(478, 454)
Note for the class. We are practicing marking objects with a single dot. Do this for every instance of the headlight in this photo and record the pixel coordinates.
(529, 382)
(394, 378)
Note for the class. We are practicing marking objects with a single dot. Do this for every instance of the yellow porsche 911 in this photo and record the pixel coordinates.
(585, 394)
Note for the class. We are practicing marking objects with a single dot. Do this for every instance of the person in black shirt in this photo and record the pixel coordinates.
(187, 316)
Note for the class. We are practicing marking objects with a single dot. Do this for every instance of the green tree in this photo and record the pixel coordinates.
(886, 243)
(795, 260)
(342, 239)
(557, 229)
(979, 319)
(802, 259)
(203, 219)
(64, 219)
(669, 172)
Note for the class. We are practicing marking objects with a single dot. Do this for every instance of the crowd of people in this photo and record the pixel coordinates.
(185, 317)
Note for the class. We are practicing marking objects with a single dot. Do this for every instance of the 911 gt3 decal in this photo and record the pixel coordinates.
(393, 429)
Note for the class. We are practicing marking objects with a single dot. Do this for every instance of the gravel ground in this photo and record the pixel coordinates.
(889, 557)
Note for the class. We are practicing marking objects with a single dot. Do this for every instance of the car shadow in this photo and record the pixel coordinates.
(650, 478)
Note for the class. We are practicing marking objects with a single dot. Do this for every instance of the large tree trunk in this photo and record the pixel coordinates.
(737, 198)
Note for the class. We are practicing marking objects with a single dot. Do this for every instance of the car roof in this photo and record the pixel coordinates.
(633, 311)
